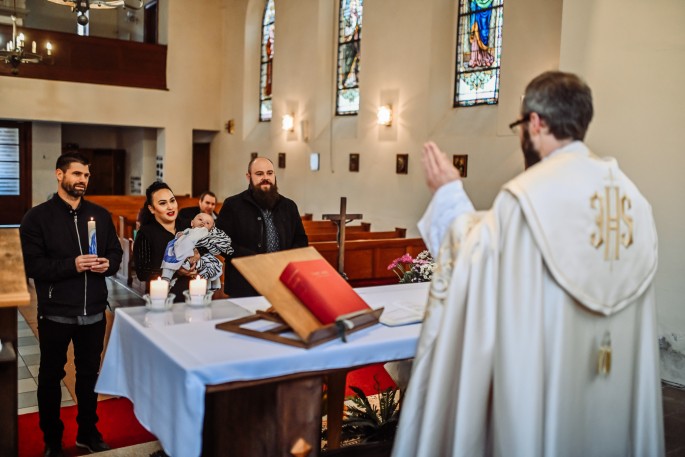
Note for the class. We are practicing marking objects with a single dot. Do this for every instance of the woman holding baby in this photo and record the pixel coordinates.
(158, 228)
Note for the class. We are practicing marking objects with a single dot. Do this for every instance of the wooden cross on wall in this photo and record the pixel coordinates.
(340, 220)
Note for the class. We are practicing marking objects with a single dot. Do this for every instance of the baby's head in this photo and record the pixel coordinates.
(202, 220)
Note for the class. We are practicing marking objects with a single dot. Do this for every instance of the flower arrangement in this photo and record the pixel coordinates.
(408, 269)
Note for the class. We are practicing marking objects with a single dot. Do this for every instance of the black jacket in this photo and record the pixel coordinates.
(52, 236)
(241, 219)
(148, 253)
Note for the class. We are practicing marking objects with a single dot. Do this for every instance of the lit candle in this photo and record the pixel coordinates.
(20, 40)
(159, 289)
(49, 48)
(92, 239)
(198, 289)
(33, 47)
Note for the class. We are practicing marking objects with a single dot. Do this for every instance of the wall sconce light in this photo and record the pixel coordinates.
(230, 126)
(384, 115)
(288, 122)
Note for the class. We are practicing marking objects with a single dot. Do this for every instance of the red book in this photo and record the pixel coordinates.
(321, 289)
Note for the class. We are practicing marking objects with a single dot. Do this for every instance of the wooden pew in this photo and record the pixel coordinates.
(366, 261)
(359, 235)
(314, 227)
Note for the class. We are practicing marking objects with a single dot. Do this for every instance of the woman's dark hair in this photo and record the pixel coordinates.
(144, 215)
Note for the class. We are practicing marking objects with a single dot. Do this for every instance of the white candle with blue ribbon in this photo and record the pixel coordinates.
(92, 239)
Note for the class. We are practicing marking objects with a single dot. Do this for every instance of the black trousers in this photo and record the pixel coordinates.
(54, 339)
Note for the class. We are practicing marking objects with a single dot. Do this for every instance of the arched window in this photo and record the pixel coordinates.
(479, 45)
(267, 60)
(349, 46)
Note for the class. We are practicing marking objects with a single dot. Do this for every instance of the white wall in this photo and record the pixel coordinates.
(406, 59)
(637, 82)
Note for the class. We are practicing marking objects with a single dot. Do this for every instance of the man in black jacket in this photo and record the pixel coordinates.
(69, 267)
(258, 220)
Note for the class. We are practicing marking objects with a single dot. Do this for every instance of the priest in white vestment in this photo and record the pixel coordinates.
(539, 337)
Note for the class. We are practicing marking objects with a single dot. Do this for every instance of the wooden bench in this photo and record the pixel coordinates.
(366, 261)
(314, 227)
(358, 235)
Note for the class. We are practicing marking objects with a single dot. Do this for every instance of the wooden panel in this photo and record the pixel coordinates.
(13, 290)
(93, 60)
(369, 259)
(263, 420)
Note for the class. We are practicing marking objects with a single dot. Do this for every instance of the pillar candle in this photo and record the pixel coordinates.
(198, 286)
(159, 289)
(33, 47)
(92, 239)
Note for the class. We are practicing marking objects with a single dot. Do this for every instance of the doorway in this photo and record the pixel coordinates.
(200, 168)
(15, 171)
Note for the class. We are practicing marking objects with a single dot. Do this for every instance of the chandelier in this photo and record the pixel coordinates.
(15, 52)
(82, 6)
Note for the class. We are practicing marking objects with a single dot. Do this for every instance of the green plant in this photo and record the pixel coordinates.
(369, 423)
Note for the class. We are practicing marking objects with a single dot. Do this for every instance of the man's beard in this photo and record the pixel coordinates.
(530, 155)
(71, 190)
(265, 198)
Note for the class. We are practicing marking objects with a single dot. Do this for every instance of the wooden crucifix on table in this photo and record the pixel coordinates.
(340, 220)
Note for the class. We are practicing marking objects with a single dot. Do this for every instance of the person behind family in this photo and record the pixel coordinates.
(206, 204)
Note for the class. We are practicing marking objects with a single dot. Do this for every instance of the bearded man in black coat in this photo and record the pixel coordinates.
(258, 220)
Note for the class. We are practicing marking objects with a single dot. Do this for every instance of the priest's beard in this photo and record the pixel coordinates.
(530, 155)
(72, 190)
(265, 198)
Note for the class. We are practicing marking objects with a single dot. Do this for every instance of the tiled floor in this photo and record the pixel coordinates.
(29, 356)
(121, 296)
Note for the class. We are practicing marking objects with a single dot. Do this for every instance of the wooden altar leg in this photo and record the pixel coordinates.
(8, 382)
(336, 400)
(264, 419)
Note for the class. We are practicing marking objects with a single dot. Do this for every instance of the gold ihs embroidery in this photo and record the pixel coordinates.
(612, 216)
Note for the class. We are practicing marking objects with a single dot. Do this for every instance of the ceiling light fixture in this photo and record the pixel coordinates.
(15, 52)
(82, 6)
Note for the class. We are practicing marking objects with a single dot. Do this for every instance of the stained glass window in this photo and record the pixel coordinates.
(479, 46)
(267, 61)
(349, 45)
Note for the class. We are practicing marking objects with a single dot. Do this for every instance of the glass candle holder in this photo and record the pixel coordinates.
(159, 304)
(198, 300)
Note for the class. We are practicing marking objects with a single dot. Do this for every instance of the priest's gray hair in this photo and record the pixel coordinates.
(563, 101)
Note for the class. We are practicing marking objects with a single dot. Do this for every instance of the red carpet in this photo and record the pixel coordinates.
(120, 428)
(367, 378)
(117, 424)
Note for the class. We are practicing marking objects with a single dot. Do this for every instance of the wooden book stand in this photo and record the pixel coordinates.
(291, 322)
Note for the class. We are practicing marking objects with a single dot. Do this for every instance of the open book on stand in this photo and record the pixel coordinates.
(293, 322)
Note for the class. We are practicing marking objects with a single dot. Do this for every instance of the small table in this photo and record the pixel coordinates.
(251, 396)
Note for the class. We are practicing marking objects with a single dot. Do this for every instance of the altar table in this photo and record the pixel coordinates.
(169, 364)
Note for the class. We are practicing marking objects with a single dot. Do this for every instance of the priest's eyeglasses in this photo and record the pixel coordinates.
(515, 126)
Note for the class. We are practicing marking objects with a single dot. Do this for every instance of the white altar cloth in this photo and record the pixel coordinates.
(162, 361)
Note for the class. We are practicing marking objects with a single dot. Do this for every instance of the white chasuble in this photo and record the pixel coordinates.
(539, 337)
